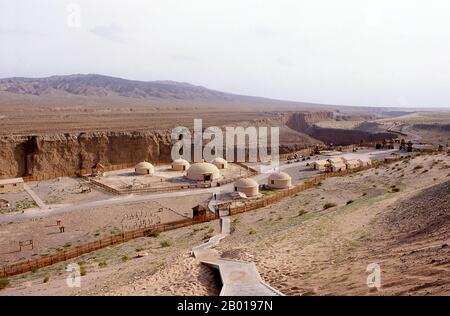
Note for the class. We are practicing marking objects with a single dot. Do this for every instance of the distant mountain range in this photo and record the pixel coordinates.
(103, 86)
(101, 89)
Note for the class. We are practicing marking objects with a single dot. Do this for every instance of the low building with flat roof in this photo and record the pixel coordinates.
(365, 162)
(423, 147)
(11, 185)
(352, 164)
(338, 166)
(320, 165)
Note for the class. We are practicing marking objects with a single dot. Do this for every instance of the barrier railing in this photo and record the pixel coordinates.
(278, 196)
(29, 265)
(73, 252)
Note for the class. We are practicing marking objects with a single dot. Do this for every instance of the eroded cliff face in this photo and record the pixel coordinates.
(301, 121)
(12, 157)
(49, 156)
(344, 137)
(304, 122)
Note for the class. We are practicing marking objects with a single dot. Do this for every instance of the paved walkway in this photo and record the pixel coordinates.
(238, 278)
(34, 196)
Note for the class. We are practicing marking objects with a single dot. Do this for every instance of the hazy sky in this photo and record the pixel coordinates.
(354, 52)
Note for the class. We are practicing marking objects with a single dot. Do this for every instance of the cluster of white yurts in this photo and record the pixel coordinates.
(210, 171)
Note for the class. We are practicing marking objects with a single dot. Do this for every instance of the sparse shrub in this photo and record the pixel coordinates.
(418, 167)
(200, 228)
(46, 279)
(329, 205)
(83, 271)
(166, 243)
(349, 202)
(252, 231)
(139, 249)
(125, 258)
(207, 236)
(364, 194)
(67, 245)
(102, 264)
(394, 189)
(424, 171)
(154, 234)
(114, 231)
(4, 282)
(34, 270)
(301, 212)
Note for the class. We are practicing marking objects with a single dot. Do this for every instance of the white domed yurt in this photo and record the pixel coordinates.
(180, 164)
(279, 180)
(247, 186)
(143, 168)
(220, 163)
(203, 171)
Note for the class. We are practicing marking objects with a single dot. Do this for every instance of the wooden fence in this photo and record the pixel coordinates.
(251, 173)
(29, 265)
(73, 252)
(145, 189)
(201, 185)
(299, 153)
(309, 150)
(276, 197)
(243, 165)
(107, 167)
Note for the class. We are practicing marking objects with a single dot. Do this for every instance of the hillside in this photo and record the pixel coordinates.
(103, 86)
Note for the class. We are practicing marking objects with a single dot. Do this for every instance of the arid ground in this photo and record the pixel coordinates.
(318, 242)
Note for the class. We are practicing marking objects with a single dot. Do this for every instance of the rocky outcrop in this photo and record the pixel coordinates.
(337, 136)
(68, 154)
(301, 121)
(304, 122)
(49, 156)
(435, 127)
